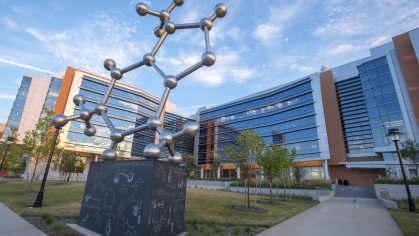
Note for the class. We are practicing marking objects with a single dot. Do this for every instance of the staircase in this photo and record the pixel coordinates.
(354, 191)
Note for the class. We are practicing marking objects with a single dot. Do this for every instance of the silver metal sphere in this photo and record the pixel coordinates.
(79, 99)
(208, 59)
(178, 2)
(116, 136)
(84, 115)
(109, 63)
(191, 129)
(164, 15)
(116, 73)
(153, 122)
(170, 82)
(220, 10)
(59, 121)
(147, 58)
(158, 32)
(166, 136)
(176, 159)
(170, 27)
(152, 151)
(89, 131)
(99, 108)
(109, 155)
(141, 9)
(205, 22)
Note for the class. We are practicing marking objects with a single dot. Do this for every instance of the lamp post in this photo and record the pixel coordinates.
(9, 141)
(40, 196)
(394, 134)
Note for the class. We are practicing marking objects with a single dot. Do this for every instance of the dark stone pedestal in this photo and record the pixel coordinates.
(144, 197)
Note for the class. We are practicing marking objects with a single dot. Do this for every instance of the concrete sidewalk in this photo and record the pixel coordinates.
(13, 225)
(340, 216)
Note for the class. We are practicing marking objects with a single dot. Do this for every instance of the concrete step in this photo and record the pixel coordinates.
(354, 191)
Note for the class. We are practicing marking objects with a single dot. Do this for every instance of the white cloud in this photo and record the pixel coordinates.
(380, 40)
(9, 24)
(25, 66)
(267, 33)
(344, 48)
(191, 109)
(6, 96)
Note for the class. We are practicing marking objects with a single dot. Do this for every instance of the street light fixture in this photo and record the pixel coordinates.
(394, 134)
(9, 142)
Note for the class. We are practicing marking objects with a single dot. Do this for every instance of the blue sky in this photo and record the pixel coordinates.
(258, 45)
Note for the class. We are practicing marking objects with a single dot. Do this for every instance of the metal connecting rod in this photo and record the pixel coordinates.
(73, 117)
(213, 17)
(161, 144)
(162, 102)
(113, 145)
(187, 26)
(132, 67)
(159, 43)
(88, 124)
(81, 105)
(160, 130)
(110, 87)
(107, 120)
(178, 134)
(153, 13)
(207, 39)
(134, 130)
(172, 6)
(171, 150)
(157, 69)
(190, 70)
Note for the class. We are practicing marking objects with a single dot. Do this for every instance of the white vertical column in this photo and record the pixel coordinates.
(326, 170)
(202, 172)
(219, 172)
(96, 157)
(238, 172)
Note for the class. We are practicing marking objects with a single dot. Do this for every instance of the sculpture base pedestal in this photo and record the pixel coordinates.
(141, 197)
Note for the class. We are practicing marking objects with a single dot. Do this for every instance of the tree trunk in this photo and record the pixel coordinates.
(33, 175)
(238, 195)
(245, 189)
(289, 191)
(276, 195)
(248, 193)
(271, 188)
(261, 193)
(256, 191)
(285, 190)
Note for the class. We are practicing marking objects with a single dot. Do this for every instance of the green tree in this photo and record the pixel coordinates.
(80, 166)
(300, 170)
(287, 164)
(121, 151)
(14, 153)
(68, 164)
(410, 151)
(245, 155)
(37, 143)
(215, 165)
(271, 163)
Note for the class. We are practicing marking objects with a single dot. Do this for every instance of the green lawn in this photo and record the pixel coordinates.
(409, 222)
(201, 205)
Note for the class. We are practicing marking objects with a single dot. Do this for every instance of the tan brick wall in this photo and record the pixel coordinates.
(356, 177)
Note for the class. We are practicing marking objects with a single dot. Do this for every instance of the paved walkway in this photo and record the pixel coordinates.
(340, 216)
(13, 225)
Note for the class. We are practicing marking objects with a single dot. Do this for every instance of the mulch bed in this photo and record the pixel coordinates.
(59, 183)
(252, 209)
(26, 191)
(46, 228)
(227, 230)
(271, 203)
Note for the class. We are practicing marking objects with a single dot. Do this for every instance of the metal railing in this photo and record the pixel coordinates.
(320, 191)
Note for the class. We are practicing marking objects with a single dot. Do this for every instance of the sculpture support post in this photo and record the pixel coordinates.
(38, 201)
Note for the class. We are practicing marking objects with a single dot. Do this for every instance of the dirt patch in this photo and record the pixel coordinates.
(26, 191)
(252, 209)
(288, 200)
(59, 183)
(47, 228)
(271, 203)
(226, 230)
(3, 182)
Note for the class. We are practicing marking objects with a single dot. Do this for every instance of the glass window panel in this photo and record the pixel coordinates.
(373, 112)
(390, 97)
(376, 90)
(380, 61)
(393, 107)
(372, 73)
(370, 102)
(382, 109)
(27, 79)
(383, 70)
(72, 135)
(385, 79)
(361, 69)
(363, 76)
(395, 117)
(366, 85)
(369, 65)
(379, 100)
(376, 121)
(378, 131)
(386, 88)
(368, 93)
(374, 82)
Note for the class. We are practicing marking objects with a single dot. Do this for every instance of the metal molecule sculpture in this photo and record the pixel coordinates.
(154, 123)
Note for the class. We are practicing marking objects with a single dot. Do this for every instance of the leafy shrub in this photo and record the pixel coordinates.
(247, 229)
(208, 233)
(237, 229)
(56, 227)
(218, 230)
(48, 220)
(308, 184)
(45, 216)
(397, 181)
(194, 222)
(202, 228)
(191, 234)
(69, 234)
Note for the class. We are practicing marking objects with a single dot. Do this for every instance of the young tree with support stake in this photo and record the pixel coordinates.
(271, 162)
(245, 154)
(37, 143)
(14, 152)
(287, 164)
(215, 164)
(410, 151)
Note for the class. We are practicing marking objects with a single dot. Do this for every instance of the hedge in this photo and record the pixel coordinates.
(397, 181)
